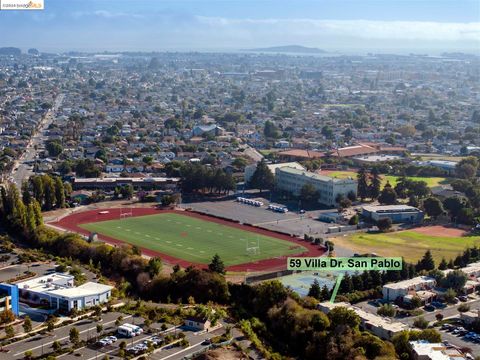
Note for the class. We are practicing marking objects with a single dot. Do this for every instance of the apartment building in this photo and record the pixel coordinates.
(292, 180)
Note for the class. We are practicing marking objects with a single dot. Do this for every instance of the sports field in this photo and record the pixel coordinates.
(431, 181)
(410, 244)
(193, 239)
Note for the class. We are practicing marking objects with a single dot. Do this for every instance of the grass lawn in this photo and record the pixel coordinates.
(193, 239)
(431, 181)
(409, 244)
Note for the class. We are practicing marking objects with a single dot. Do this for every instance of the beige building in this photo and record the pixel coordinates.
(292, 180)
(380, 326)
(250, 169)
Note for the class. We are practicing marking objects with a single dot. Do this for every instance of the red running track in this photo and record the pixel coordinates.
(72, 222)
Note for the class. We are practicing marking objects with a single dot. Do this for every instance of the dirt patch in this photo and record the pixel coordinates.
(222, 354)
(438, 230)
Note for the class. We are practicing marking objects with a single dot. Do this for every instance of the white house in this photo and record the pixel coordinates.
(59, 292)
(393, 291)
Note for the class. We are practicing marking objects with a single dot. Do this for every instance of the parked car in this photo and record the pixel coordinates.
(463, 298)
(429, 308)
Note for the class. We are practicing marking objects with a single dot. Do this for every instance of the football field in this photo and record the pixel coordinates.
(194, 239)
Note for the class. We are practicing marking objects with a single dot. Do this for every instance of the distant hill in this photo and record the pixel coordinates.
(290, 49)
(10, 51)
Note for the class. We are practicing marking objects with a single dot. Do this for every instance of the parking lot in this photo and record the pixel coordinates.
(291, 222)
(459, 336)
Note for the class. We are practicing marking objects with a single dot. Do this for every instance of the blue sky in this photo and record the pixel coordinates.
(338, 25)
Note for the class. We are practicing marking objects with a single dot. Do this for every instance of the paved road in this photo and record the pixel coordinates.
(41, 344)
(21, 170)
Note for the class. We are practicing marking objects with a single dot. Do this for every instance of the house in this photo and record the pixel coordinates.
(198, 324)
(382, 327)
(211, 129)
(423, 350)
(395, 291)
(58, 292)
(396, 213)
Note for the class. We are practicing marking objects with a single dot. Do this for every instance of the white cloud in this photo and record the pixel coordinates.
(363, 29)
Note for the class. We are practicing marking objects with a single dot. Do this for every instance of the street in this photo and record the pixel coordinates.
(22, 168)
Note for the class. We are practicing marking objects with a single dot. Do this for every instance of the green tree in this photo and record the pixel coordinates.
(443, 264)
(54, 148)
(386, 310)
(262, 178)
(27, 324)
(154, 266)
(363, 187)
(375, 184)
(59, 193)
(455, 280)
(420, 323)
(9, 331)
(309, 194)
(217, 265)
(74, 335)
(426, 263)
(384, 224)
(388, 196)
(433, 207)
(270, 130)
(315, 290)
(49, 192)
(450, 295)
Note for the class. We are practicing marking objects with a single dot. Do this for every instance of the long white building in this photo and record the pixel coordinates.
(58, 292)
(292, 180)
(380, 326)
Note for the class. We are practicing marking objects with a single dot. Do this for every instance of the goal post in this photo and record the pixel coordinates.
(253, 247)
(124, 213)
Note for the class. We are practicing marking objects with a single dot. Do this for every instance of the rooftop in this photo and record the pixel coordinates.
(410, 282)
(314, 176)
(47, 282)
(389, 208)
(87, 289)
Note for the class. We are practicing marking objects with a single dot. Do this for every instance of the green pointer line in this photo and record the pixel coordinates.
(335, 289)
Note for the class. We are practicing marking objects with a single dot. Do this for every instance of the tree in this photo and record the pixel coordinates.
(49, 192)
(450, 295)
(9, 331)
(7, 316)
(415, 302)
(386, 310)
(384, 224)
(27, 324)
(455, 280)
(363, 187)
(426, 263)
(59, 193)
(420, 323)
(375, 184)
(315, 290)
(74, 335)
(154, 266)
(262, 178)
(443, 264)
(463, 308)
(455, 204)
(433, 207)
(270, 130)
(388, 196)
(309, 194)
(54, 148)
(217, 265)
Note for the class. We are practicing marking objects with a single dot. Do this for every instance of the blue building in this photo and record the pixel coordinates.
(9, 299)
(396, 213)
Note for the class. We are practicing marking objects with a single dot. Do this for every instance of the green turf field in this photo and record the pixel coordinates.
(409, 244)
(193, 239)
(431, 181)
